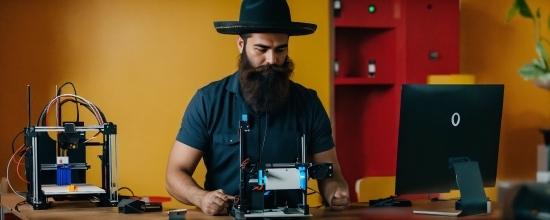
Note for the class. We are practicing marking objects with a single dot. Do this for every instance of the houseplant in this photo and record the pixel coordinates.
(538, 70)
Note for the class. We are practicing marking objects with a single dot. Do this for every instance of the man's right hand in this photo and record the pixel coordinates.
(215, 201)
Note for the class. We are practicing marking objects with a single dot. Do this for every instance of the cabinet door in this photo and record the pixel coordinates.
(433, 38)
(367, 13)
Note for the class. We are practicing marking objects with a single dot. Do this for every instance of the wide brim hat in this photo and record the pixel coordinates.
(264, 16)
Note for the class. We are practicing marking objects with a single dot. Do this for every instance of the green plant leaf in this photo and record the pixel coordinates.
(545, 76)
(543, 55)
(539, 63)
(524, 9)
(538, 13)
(531, 71)
(512, 12)
(548, 22)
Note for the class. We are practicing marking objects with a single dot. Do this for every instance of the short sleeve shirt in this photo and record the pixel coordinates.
(211, 122)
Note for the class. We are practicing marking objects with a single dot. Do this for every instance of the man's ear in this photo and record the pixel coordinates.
(240, 44)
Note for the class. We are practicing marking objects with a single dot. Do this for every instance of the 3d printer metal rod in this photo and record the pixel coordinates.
(110, 165)
(280, 165)
(77, 128)
(242, 192)
(57, 112)
(115, 195)
(74, 166)
(304, 193)
(303, 148)
(243, 128)
(113, 182)
(35, 199)
(29, 104)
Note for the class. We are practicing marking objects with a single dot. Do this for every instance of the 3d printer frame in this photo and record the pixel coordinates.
(274, 176)
(36, 196)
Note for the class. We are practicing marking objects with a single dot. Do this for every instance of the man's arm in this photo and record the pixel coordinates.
(335, 190)
(180, 184)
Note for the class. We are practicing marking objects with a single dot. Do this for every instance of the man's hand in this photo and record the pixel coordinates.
(340, 199)
(335, 190)
(214, 202)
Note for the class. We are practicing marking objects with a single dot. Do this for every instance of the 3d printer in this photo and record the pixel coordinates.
(57, 168)
(264, 178)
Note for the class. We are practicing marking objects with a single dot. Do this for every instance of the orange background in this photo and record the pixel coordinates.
(140, 62)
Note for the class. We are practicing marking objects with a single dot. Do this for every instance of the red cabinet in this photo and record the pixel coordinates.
(407, 40)
(356, 13)
(357, 48)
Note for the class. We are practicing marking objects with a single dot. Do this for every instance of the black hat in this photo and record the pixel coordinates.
(264, 16)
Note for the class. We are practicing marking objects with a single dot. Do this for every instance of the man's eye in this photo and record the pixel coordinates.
(261, 50)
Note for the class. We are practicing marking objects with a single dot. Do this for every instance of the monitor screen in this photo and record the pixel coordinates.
(439, 122)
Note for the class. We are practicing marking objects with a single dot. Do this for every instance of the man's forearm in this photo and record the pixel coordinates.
(184, 188)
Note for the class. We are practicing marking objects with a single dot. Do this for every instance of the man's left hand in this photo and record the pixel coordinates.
(340, 199)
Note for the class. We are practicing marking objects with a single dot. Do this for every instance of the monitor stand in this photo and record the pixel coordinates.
(470, 185)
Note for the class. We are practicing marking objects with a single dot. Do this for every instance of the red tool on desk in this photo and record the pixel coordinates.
(151, 199)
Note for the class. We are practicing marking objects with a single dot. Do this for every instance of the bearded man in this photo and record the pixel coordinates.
(278, 111)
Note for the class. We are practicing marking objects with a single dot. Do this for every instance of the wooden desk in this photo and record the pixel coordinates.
(86, 210)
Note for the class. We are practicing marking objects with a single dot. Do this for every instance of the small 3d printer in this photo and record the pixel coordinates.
(57, 168)
(264, 178)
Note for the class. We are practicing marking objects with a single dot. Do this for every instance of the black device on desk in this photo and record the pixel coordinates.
(449, 139)
(129, 205)
(259, 182)
(389, 201)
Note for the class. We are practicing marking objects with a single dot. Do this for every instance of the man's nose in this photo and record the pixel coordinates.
(270, 58)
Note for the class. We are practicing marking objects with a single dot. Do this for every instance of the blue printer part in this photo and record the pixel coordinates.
(303, 179)
(63, 175)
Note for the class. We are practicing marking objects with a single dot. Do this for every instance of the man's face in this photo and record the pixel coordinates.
(264, 71)
(265, 48)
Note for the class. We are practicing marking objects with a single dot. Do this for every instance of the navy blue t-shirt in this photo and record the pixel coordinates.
(211, 123)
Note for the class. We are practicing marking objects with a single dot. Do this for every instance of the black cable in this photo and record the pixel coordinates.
(126, 188)
(97, 133)
(383, 201)
(319, 206)
(18, 204)
(265, 134)
(74, 89)
(13, 142)
(314, 191)
(323, 203)
(265, 131)
(86, 106)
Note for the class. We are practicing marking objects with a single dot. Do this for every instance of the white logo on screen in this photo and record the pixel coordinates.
(455, 119)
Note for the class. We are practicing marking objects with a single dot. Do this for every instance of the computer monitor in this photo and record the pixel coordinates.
(439, 122)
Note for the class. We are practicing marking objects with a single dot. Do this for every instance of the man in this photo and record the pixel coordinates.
(277, 109)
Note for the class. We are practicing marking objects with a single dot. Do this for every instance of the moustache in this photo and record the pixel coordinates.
(267, 73)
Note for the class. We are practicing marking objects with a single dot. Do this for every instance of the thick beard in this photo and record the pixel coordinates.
(265, 88)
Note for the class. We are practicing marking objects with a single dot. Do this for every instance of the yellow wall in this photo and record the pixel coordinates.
(140, 62)
(493, 51)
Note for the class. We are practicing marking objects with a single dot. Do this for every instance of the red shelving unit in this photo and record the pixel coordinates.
(356, 47)
(408, 40)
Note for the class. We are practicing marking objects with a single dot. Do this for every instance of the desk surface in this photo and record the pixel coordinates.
(86, 210)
